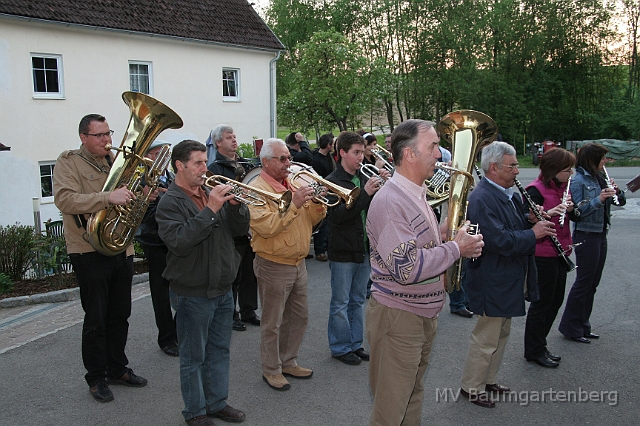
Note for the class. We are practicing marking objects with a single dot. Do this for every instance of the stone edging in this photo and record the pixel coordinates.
(56, 296)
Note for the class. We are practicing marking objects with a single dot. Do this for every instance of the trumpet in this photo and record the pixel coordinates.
(616, 202)
(377, 152)
(248, 195)
(371, 171)
(319, 184)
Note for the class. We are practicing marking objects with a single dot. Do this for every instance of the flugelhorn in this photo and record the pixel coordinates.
(370, 171)
(248, 195)
(377, 152)
(319, 184)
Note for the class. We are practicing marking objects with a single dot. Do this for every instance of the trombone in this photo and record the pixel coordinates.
(377, 152)
(319, 184)
(249, 195)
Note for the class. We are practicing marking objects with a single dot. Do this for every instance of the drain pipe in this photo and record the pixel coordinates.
(273, 124)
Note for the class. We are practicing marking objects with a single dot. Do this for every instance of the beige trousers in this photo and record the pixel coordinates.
(285, 312)
(400, 344)
(484, 355)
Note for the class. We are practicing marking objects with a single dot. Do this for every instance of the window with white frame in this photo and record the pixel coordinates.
(47, 76)
(230, 84)
(46, 178)
(140, 77)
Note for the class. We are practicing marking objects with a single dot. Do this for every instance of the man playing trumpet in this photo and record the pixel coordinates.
(281, 243)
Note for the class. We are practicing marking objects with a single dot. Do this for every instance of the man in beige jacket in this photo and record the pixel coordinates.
(104, 281)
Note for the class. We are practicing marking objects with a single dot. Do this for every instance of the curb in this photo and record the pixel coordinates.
(65, 295)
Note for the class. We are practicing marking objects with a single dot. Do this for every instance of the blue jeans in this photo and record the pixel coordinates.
(346, 311)
(204, 336)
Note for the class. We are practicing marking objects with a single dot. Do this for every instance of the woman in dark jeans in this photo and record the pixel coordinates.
(594, 197)
(556, 167)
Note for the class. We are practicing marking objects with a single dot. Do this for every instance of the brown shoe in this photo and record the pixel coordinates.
(298, 372)
(496, 388)
(200, 421)
(276, 381)
(228, 414)
(481, 399)
(321, 257)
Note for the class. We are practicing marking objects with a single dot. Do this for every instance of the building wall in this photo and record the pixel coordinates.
(187, 77)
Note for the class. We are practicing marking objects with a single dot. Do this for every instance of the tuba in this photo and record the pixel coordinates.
(111, 231)
(467, 131)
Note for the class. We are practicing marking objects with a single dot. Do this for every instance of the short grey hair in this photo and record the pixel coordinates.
(216, 134)
(494, 152)
(267, 147)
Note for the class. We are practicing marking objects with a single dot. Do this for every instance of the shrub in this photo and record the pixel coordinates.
(52, 253)
(16, 250)
(6, 285)
(246, 150)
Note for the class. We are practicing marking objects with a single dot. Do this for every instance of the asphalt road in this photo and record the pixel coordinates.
(41, 382)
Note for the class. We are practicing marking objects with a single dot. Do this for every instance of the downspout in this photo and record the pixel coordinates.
(272, 96)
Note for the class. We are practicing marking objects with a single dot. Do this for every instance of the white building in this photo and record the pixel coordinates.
(211, 61)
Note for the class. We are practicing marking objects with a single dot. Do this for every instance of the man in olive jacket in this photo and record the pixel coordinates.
(198, 225)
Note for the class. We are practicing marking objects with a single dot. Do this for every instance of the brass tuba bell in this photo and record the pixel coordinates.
(467, 131)
(111, 231)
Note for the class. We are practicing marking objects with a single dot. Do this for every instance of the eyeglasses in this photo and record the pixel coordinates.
(511, 166)
(100, 135)
(284, 158)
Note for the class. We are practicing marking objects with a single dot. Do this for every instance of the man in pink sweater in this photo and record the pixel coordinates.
(408, 259)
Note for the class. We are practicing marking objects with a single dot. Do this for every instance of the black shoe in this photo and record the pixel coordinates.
(238, 325)
(592, 336)
(228, 414)
(551, 356)
(580, 339)
(128, 379)
(309, 256)
(254, 320)
(464, 313)
(543, 361)
(171, 350)
(349, 358)
(101, 392)
(362, 354)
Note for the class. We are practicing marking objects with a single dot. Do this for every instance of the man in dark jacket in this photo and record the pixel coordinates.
(323, 164)
(198, 225)
(349, 253)
(156, 253)
(498, 278)
(299, 148)
(245, 287)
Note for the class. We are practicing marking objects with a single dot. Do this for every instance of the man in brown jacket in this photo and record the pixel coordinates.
(104, 281)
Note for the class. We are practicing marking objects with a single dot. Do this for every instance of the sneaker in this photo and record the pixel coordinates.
(349, 358)
(200, 421)
(276, 381)
(228, 414)
(101, 392)
(298, 372)
(128, 379)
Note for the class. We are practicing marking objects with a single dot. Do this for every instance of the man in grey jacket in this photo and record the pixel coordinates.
(198, 225)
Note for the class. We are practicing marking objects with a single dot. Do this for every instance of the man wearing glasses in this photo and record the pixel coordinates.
(104, 281)
(498, 279)
(281, 243)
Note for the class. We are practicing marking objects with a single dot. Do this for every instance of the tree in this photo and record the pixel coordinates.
(328, 85)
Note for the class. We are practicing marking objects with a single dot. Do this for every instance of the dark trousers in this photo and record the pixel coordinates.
(590, 258)
(165, 321)
(245, 286)
(552, 280)
(105, 293)
(320, 239)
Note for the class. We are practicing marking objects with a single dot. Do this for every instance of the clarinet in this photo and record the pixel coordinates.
(565, 197)
(569, 265)
(616, 202)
